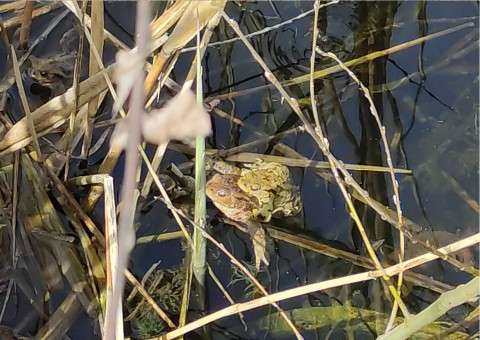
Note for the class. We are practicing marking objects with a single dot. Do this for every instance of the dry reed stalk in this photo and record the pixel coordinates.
(248, 157)
(17, 20)
(315, 287)
(396, 195)
(361, 261)
(24, 100)
(26, 23)
(126, 234)
(461, 294)
(76, 80)
(97, 29)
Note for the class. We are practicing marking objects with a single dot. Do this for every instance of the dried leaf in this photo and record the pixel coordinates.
(259, 240)
(130, 66)
(197, 11)
(180, 119)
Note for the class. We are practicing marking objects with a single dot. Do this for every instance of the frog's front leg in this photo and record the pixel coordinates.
(57, 89)
(263, 212)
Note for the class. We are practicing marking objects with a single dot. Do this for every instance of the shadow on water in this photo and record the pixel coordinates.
(427, 99)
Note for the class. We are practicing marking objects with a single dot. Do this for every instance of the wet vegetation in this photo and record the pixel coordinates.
(320, 181)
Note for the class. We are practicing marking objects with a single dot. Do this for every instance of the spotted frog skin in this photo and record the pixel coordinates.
(253, 195)
(55, 72)
(227, 196)
(267, 186)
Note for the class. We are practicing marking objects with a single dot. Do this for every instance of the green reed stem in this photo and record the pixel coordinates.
(199, 262)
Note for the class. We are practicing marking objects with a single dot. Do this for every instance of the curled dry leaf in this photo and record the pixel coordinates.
(180, 119)
(197, 13)
(130, 66)
(259, 240)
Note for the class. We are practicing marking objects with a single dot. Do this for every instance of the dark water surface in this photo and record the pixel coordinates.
(427, 98)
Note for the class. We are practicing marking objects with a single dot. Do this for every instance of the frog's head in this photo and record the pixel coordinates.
(41, 71)
(222, 189)
(50, 71)
(229, 198)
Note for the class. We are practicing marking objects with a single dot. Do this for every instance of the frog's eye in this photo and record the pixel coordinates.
(222, 193)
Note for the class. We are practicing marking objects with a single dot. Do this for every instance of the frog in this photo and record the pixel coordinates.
(55, 73)
(253, 195)
(270, 184)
